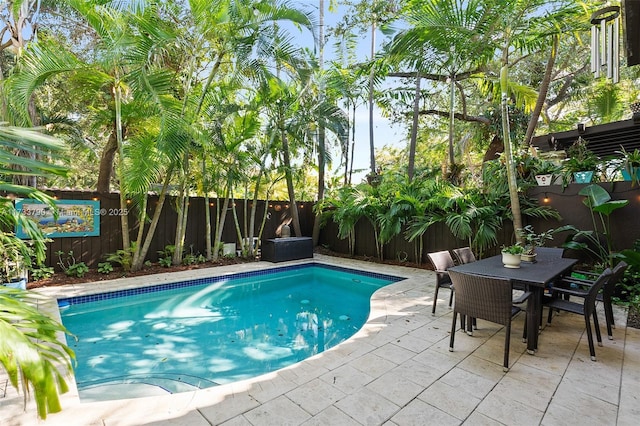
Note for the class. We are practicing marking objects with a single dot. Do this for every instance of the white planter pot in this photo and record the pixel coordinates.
(511, 260)
(229, 249)
(544, 180)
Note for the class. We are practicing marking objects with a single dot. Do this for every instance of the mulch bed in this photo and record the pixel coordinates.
(59, 278)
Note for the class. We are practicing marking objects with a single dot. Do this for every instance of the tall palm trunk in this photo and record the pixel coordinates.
(506, 134)
(542, 93)
(124, 218)
(321, 134)
(372, 158)
(414, 130)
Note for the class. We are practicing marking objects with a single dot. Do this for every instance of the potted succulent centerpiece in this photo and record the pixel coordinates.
(630, 166)
(533, 240)
(582, 162)
(511, 256)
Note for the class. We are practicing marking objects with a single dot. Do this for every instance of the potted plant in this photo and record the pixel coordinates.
(533, 240)
(581, 162)
(511, 256)
(545, 172)
(15, 258)
(630, 166)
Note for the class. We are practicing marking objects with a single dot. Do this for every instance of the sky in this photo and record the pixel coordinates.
(384, 132)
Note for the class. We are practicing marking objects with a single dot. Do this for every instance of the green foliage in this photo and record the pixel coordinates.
(629, 288)
(41, 273)
(30, 352)
(533, 240)
(513, 249)
(105, 268)
(601, 207)
(70, 266)
(123, 257)
(581, 158)
(165, 256)
(192, 258)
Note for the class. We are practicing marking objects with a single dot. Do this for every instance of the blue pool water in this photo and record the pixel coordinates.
(201, 333)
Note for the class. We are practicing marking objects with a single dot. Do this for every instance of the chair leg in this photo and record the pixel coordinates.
(592, 349)
(550, 316)
(524, 331)
(505, 366)
(596, 325)
(451, 298)
(608, 316)
(435, 300)
(470, 322)
(453, 330)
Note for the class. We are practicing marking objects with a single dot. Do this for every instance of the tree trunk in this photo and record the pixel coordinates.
(511, 168)
(372, 158)
(220, 224)
(105, 170)
(542, 93)
(414, 130)
(141, 248)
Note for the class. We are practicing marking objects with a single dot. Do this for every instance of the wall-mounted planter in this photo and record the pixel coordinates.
(627, 176)
(583, 177)
(544, 180)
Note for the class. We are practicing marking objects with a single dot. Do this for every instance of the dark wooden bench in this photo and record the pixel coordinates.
(290, 248)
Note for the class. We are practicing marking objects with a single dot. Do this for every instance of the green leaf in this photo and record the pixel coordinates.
(609, 207)
(596, 195)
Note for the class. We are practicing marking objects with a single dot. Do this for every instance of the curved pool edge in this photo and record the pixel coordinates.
(386, 302)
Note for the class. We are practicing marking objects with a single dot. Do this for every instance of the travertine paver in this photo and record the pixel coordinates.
(397, 370)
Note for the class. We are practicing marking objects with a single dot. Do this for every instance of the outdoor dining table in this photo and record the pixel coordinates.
(535, 277)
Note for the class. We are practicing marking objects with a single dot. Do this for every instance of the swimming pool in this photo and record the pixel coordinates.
(195, 334)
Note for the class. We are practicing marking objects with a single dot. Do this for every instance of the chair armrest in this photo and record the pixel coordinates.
(576, 281)
(570, 292)
(522, 298)
(595, 274)
(441, 271)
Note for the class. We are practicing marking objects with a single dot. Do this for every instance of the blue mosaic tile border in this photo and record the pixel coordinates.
(63, 302)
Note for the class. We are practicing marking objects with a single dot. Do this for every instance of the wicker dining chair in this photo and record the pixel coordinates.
(484, 298)
(463, 255)
(441, 262)
(586, 309)
(605, 296)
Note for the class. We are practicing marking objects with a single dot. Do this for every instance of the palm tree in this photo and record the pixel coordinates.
(446, 40)
(30, 351)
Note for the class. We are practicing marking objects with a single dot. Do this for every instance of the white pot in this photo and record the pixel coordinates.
(229, 249)
(511, 260)
(544, 180)
(528, 257)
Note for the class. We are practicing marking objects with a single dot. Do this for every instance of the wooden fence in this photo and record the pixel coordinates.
(93, 250)
(625, 225)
